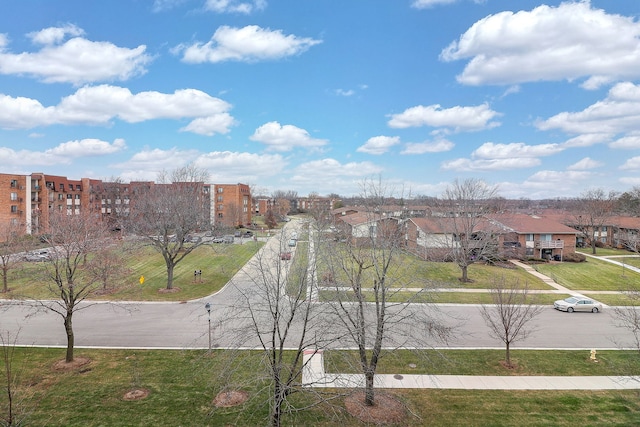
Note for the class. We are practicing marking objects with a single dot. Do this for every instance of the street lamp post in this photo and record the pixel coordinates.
(207, 307)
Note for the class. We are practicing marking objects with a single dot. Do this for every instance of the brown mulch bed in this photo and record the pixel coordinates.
(78, 362)
(136, 394)
(387, 410)
(168, 291)
(227, 399)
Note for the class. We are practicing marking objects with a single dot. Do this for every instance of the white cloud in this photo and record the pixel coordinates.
(87, 147)
(330, 176)
(629, 142)
(235, 6)
(75, 61)
(519, 150)
(228, 166)
(61, 154)
(471, 165)
(631, 164)
(379, 144)
(54, 35)
(587, 140)
(570, 41)
(585, 164)
(285, 137)
(98, 105)
(424, 4)
(457, 118)
(619, 112)
(344, 92)
(248, 44)
(438, 146)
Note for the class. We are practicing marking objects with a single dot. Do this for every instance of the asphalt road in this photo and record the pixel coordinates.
(185, 325)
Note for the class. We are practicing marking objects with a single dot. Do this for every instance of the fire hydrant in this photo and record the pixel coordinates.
(593, 355)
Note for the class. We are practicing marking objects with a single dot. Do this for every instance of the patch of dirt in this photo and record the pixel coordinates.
(78, 362)
(168, 291)
(227, 399)
(387, 410)
(512, 367)
(136, 394)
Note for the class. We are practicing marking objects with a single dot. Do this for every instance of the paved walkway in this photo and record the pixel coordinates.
(314, 376)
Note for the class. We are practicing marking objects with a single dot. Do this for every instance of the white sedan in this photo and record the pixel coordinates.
(572, 304)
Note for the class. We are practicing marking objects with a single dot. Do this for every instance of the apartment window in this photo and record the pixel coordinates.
(604, 228)
(220, 189)
(14, 208)
(69, 196)
(219, 198)
(14, 196)
(77, 197)
(14, 183)
(219, 214)
(545, 237)
(529, 237)
(79, 187)
(220, 207)
(61, 187)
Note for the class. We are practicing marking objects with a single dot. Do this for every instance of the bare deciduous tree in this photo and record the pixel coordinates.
(72, 238)
(10, 245)
(13, 411)
(595, 209)
(366, 277)
(166, 214)
(509, 317)
(465, 204)
(275, 310)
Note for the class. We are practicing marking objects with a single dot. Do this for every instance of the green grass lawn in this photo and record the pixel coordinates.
(183, 384)
(594, 274)
(218, 262)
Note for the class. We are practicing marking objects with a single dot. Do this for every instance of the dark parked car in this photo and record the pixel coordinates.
(286, 256)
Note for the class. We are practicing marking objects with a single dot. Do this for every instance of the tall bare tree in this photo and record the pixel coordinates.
(509, 317)
(465, 203)
(72, 238)
(595, 209)
(365, 276)
(10, 245)
(168, 213)
(275, 311)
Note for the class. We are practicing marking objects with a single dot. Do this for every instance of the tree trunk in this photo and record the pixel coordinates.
(4, 280)
(369, 390)
(465, 274)
(68, 327)
(276, 413)
(170, 276)
(508, 356)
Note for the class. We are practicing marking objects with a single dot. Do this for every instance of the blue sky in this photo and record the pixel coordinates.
(540, 99)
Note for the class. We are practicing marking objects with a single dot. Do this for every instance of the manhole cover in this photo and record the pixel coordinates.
(398, 376)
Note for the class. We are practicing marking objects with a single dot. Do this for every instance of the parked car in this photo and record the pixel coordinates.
(292, 243)
(218, 240)
(285, 256)
(247, 233)
(572, 304)
(227, 239)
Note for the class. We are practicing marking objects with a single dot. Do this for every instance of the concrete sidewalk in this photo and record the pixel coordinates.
(314, 376)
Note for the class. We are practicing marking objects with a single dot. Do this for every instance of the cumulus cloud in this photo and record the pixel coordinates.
(459, 119)
(330, 176)
(518, 150)
(99, 105)
(379, 144)
(570, 41)
(235, 6)
(631, 164)
(248, 44)
(438, 146)
(279, 137)
(477, 165)
(618, 113)
(76, 60)
(425, 4)
(629, 142)
(585, 164)
(62, 154)
(228, 166)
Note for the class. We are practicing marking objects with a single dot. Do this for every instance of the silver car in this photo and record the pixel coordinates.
(572, 304)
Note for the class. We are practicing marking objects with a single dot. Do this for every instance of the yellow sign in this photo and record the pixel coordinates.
(141, 280)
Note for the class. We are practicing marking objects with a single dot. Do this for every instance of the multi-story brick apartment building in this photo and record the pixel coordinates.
(27, 201)
(231, 205)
